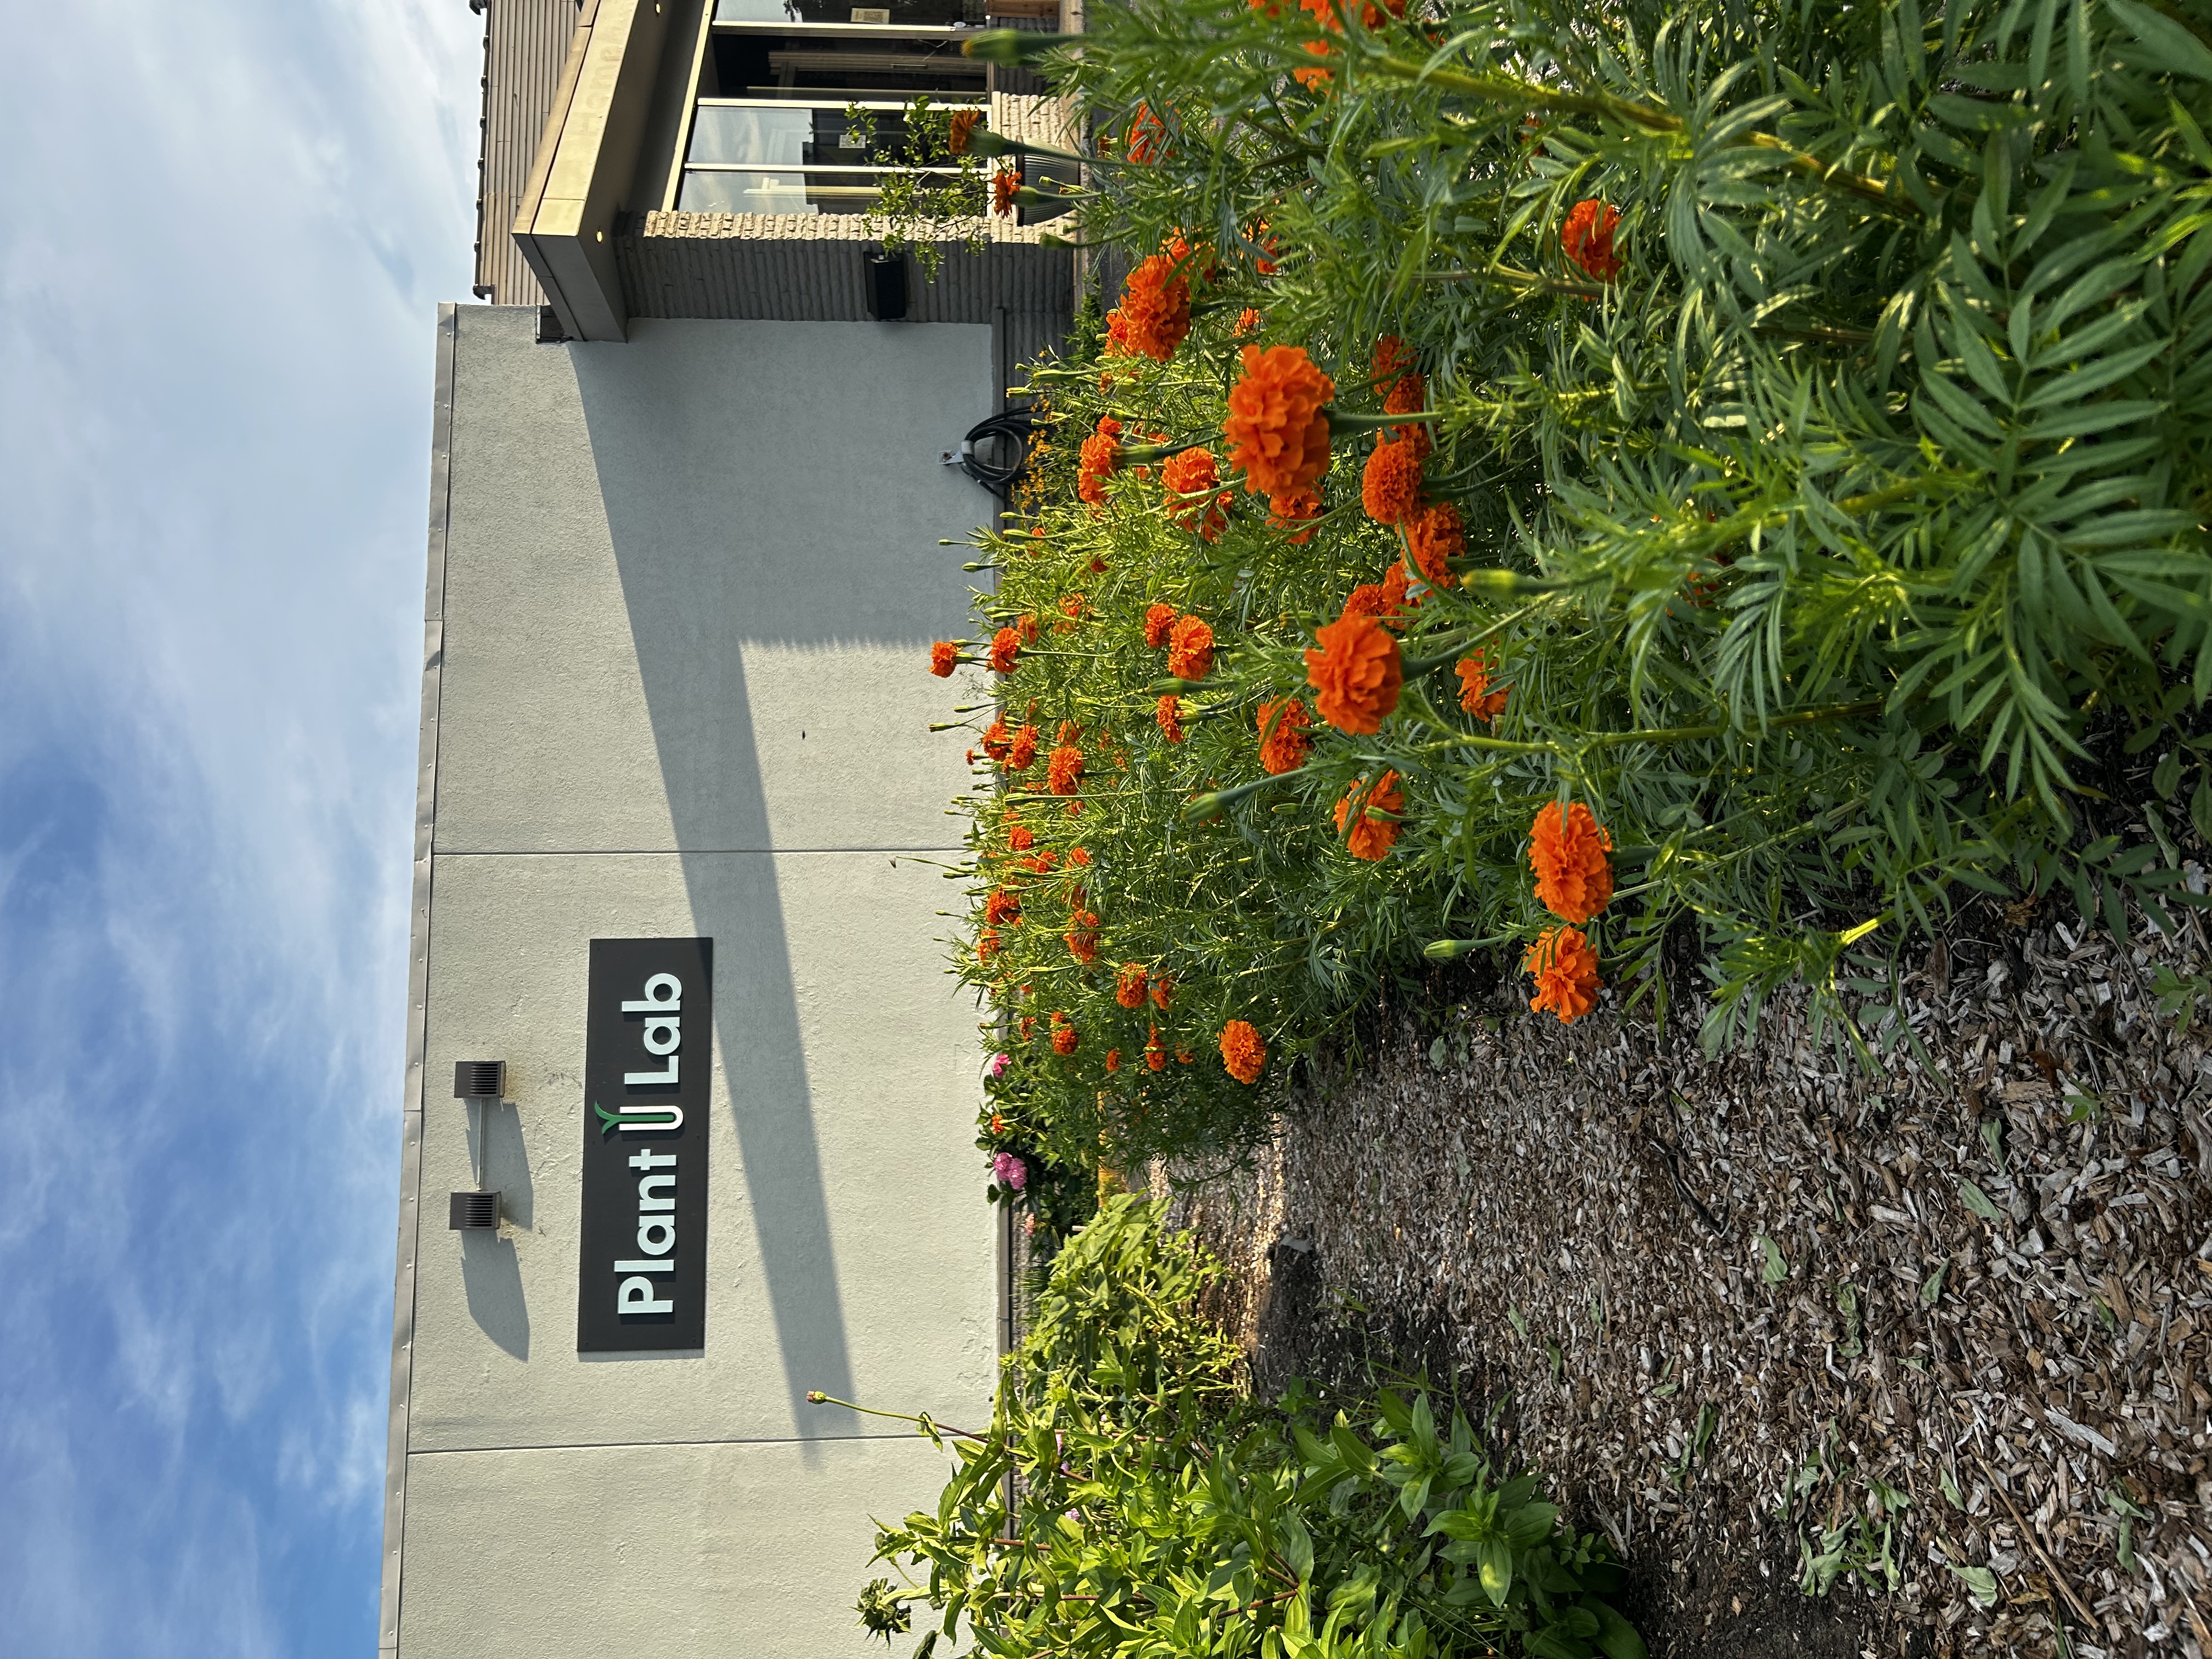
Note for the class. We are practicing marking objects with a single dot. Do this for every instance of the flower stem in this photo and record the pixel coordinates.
(816, 1397)
(1206, 806)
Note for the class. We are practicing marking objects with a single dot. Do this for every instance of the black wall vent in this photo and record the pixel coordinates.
(479, 1079)
(886, 287)
(472, 1212)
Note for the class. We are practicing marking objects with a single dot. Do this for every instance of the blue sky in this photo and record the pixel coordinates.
(224, 229)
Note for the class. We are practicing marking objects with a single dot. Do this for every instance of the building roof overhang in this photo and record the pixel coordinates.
(565, 226)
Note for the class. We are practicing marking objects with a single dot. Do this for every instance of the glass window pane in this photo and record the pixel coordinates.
(708, 191)
(722, 134)
(911, 13)
(743, 192)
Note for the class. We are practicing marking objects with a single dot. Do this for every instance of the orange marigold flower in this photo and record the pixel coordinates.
(1434, 534)
(1039, 862)
(1566, 974)
(1278, 421)
(986, 944)
(1474, 693)
(1129, 985)
(1028, 625)
(1369, 836)
(1117, 343)
(1157, 621)
(1169, 713)
(1100, 458)
(1113, 1059)
(1189, 478)
(1065, 769)
(1004, 183)
(1190, 649)
(1155, 308)
(1574, 879)
(1001, 909)
(943, 658)
(1588, 238)
(1409, 395)
(964, 122)
(1083, 937)
(1064, 1037)
(1324, 13)
(1241, 1051)
(1148, 136)
(1079, 856)
(1370, 14)
(997, 740)
(1028, 1026)
(1284, 744)
(1264, 260)
(1155, 1056)
(1299, 508)
(1071, 608)
(1021, 838)
(1248, 321)
(1398, 598)
(1390, 487)
(1005, 646)
(1184, 1056)
(1356, 675)
(1391, 357)
(1365, 600)
(1164, 990)
(1023, 749)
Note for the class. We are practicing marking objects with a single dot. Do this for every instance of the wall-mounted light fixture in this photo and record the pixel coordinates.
(472, 1212)
(479, 1079)
(886, 285)
(480, 1083)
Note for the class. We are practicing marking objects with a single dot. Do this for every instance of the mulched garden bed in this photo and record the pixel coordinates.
(1727, 1305)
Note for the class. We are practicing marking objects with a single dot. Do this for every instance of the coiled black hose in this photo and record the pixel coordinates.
(1009, 433)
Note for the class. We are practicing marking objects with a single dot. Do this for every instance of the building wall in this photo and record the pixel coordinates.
(525, 43)
(680, 605)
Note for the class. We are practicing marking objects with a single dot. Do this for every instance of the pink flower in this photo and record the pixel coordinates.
(998, 1066)
(1010, 1171)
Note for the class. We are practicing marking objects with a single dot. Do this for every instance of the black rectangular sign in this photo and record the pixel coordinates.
(648, 1044)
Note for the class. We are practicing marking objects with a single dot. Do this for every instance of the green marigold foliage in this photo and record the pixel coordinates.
(1162, 1513)
(1835, 528)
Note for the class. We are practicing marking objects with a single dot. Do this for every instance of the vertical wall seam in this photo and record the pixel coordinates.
(418, 983)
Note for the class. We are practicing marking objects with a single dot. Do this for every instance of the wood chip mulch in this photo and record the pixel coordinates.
(1921, 1336)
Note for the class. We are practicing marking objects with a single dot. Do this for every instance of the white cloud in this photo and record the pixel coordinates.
(223, 229)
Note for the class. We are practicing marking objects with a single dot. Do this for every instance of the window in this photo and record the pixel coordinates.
(769, 130)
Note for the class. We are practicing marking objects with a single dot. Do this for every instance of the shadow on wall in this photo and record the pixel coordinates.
(490, 1274)
(765, 484)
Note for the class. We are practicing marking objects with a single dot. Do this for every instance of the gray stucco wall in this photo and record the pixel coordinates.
(688, 587)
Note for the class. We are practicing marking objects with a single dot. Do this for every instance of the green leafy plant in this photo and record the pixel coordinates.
(1129, 1499)
(1824, 394)
(925, 188)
